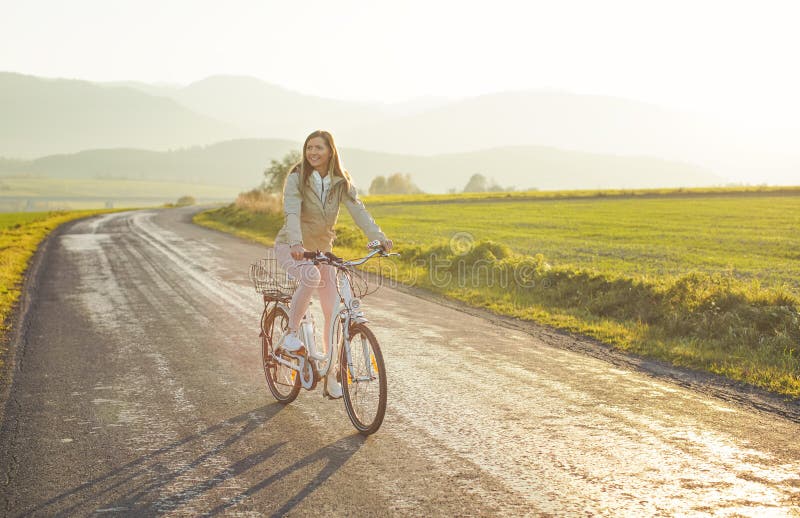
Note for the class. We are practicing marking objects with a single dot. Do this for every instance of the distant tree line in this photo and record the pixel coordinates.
(397, 183)
(479, 183)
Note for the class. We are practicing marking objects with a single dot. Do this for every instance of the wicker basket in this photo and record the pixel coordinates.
(269, 280)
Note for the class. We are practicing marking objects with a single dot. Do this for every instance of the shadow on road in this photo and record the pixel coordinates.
(334, 455)
(196, 475)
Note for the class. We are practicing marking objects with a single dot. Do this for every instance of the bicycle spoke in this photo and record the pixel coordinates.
(283, 382)
(365, 385)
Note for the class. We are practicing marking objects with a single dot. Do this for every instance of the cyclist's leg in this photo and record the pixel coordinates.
(328, 297)
(309, 280)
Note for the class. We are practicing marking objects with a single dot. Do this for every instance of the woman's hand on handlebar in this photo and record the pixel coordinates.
(297, 252)
(324, 257)
(385, 245)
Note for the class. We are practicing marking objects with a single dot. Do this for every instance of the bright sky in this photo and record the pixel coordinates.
(736, 59)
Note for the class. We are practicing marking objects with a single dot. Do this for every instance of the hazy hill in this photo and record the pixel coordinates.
(45, 116)
(42, 117)
(586, 122)
(527, 167)
(241, 163)
(591, 123)
(237, 163)
(266, 110)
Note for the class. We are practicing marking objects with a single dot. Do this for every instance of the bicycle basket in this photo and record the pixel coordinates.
(270, 280)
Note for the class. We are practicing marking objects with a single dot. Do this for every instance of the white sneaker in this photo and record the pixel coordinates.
(289, 342)
(333, 387)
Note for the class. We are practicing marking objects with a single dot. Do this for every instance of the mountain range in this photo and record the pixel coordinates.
(46, 116)
(527, 139)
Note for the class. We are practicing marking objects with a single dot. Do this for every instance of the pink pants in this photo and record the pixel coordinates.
(320, 278)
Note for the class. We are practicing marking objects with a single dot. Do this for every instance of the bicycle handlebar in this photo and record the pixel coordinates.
(318, 254)
(334, 260)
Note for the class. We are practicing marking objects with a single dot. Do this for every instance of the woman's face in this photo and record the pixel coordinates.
(318, 154)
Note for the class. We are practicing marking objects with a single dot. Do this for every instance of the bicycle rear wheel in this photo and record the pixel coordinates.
(363, 380)
(283, 382)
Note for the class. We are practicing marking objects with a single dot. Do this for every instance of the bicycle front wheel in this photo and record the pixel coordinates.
(363, 380)
(283, 382)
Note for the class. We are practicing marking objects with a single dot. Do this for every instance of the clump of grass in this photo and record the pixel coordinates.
(258, 226)
(259, 202)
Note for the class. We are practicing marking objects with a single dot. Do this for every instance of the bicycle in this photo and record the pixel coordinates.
(364, 380)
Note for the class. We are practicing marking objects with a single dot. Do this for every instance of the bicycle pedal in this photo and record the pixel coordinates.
(297, 355)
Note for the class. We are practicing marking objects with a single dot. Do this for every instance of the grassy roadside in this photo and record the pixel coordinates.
(20, 236)
(701, 282)
(258, 227)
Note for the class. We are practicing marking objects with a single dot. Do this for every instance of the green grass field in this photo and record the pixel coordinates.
(588, 194)
(706, 280)
(20, 235)
(748, 237)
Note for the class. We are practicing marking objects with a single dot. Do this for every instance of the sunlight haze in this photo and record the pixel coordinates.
(732, 59)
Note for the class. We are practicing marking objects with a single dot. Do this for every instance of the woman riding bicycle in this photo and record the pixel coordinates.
(313, 192)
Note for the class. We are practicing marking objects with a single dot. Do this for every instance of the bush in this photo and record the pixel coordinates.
(398, 183)
(264, 224)
(259, 201)
(185, 201)
(479, 183)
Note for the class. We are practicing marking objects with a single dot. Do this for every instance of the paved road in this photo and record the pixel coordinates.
(138, 391)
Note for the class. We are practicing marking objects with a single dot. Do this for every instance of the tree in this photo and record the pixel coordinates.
(378, 185)
(275, 174)
(400, 183)
(397, 183)
(477, 183)
(185, 201)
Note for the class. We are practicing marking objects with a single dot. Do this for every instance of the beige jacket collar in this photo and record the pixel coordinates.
(316, 199)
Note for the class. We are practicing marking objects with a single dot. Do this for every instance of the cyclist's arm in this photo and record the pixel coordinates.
(292, 203)
(360, 215)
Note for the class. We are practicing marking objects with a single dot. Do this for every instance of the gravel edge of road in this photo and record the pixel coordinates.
(17, 322)
(14, 341)
(706, 383)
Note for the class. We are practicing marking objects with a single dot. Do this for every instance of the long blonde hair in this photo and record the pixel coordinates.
(304, 167)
